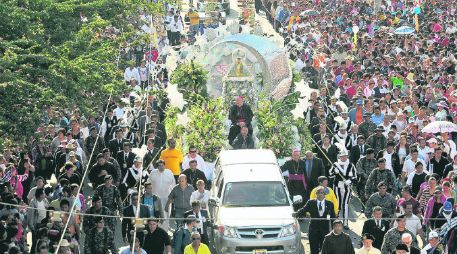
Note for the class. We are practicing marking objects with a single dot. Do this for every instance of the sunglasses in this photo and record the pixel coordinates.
(192, 151)
(196, 238)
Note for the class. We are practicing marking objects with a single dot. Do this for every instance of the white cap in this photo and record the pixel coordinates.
(432, 140)
(433, 234)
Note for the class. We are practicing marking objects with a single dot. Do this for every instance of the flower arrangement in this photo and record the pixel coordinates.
(173, 130)
(275, 127)
(278, 130)
(206, 129)
(191, 77)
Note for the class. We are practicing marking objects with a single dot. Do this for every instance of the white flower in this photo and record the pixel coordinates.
(183, 119)
(297, 112)
(176, 98)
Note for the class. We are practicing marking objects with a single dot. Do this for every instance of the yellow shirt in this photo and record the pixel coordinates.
(194, 18)
(202, 249)
(173, 159)
(330, 196)
(396, 20)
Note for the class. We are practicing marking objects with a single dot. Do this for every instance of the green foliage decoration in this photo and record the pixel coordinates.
(190, 77)
(206, 129)
(275, 126)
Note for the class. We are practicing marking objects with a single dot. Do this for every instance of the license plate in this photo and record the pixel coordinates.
(260, 252)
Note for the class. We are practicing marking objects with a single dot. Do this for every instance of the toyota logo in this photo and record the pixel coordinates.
(259, 233)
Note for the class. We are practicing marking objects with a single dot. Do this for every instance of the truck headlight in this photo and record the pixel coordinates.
(289, 230)
(229, 232)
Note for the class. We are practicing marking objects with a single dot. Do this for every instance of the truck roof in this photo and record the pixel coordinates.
(247, 156)
(252, 173)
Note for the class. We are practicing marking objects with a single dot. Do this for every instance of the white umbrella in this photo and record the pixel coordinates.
(309, 13)
(440, 126)
(404, 30)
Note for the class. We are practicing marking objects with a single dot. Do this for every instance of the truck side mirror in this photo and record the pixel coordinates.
(297, 199)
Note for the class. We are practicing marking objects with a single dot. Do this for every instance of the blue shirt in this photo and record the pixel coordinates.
(377, 119)
(149, 201)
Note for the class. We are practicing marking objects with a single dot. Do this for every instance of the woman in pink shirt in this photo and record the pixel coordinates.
(351, 88)
(437, 27)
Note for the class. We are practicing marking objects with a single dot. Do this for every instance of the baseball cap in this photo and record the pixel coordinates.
(447, 207)
(433, 234)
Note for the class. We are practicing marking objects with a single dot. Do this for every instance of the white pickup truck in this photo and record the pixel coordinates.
(250, 207)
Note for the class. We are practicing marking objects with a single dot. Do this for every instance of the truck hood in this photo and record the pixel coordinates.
(255, 216)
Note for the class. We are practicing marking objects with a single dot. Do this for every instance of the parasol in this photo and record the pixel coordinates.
(309, 13)
(404, 30)
(440, 126)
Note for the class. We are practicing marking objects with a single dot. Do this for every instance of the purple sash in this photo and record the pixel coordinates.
(298, 177)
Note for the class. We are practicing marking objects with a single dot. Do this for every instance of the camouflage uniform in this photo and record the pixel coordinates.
(392, 238)
(380, 175)
(377, 143)
(100, 242)
(367, 128)
(111, 197)
(89, 221)
(364, 167)
(388, 204)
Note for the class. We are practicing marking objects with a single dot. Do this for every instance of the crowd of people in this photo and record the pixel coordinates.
(82, 181)
(375, 91)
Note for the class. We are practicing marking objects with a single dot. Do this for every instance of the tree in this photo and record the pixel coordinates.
(51, 57)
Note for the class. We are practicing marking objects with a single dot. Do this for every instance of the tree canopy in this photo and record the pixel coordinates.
(61, 54)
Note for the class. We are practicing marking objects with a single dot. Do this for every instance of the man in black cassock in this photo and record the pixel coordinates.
(337, 242)
(240, 115)
(296, 182)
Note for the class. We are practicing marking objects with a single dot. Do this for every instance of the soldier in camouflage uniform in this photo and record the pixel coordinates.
(110, 195)
(377, 140)
(367, 127)
(364, 167)
(92, 142)
(380, 174)
(393, 237)
(99, 209)
(100, 239)
(382, 199)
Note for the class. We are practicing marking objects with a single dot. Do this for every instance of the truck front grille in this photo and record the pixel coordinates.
(252, 233)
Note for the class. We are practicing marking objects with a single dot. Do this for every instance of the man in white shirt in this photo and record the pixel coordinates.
(119, 110)
(131, 73)
(163, 181)
(176, 28)
(193, 155)
(168, 20)
(388, 156)
(424, 150)
(449, 146)
(413, 223)
(300, 63)
(410, 164)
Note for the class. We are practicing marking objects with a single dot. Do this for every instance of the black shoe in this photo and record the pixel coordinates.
(346, 227)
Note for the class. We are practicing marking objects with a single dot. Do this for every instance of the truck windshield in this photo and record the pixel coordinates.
(245, 194)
